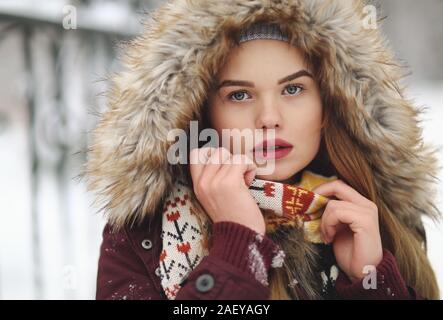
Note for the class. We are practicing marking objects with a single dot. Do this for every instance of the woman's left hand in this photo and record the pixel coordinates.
(351, 225)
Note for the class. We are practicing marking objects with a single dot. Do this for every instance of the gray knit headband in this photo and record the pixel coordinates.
(262, 31)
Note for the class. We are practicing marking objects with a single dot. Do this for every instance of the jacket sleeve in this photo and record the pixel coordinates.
(388, 284)
(122, 274)
(236, 267)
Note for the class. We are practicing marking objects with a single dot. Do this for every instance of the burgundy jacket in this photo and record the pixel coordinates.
(129, 261)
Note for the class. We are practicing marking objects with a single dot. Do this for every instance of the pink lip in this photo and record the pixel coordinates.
(261, 150)
(275, 154)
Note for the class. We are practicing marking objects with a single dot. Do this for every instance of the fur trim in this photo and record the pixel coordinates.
(168, 70)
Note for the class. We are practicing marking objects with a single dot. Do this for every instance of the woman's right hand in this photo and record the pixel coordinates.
(221, 182)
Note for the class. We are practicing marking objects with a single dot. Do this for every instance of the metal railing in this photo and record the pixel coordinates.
(55, 77)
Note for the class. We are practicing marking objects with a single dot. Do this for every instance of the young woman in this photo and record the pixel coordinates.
(347, 145)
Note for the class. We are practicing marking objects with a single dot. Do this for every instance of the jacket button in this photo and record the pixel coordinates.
(204, 283)
(147, 244)
(157, 271)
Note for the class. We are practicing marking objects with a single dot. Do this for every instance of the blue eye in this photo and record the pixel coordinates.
(293, 89)
(238, 96)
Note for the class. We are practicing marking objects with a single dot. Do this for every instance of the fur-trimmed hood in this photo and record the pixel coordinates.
(168, 70)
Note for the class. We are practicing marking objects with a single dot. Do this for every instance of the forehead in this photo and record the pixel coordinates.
(262, 57)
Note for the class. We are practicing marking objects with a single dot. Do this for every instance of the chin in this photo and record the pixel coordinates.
(280, 174)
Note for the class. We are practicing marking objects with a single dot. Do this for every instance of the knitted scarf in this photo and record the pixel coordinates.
(282, 205)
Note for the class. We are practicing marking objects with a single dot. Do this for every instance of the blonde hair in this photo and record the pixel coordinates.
(351, 166)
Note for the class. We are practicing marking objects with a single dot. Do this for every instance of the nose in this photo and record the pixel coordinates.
(269, 116)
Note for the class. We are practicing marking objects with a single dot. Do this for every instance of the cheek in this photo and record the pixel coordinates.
(220, 119)
(216, 117)
(306, 116)
(306, 126)
(228, 118)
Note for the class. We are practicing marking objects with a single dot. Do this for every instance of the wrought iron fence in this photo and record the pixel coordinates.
(50, 84)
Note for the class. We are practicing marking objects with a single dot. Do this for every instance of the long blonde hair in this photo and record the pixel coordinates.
(339, 151)
(406, 245)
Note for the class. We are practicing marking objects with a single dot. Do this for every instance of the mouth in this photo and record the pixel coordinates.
(272, 149)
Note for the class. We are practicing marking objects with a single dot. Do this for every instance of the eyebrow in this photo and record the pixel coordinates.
(242, 83)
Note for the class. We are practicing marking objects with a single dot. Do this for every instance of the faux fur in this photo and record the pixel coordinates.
(168, 72)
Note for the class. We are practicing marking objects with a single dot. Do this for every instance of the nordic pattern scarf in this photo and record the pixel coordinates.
(282, 205)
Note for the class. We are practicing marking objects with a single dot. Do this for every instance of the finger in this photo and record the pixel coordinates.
(244, 167)
(249, 176)
(226, 163)
(198, 159)
(329, 220)
(215, 162)
(238, 160)
(345, 205)
(342, 191)
(335, 219)
(362, 217)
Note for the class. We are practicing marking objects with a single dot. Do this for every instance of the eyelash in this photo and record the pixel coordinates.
(243, 91)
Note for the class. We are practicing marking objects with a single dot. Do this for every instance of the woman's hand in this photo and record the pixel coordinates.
(351, 224)
(221, 182)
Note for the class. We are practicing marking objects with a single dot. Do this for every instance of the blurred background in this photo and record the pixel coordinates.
(52, 78)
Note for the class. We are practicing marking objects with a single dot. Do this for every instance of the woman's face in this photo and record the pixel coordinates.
(266, 84)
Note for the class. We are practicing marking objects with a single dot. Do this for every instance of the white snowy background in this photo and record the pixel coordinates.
(50, 83)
